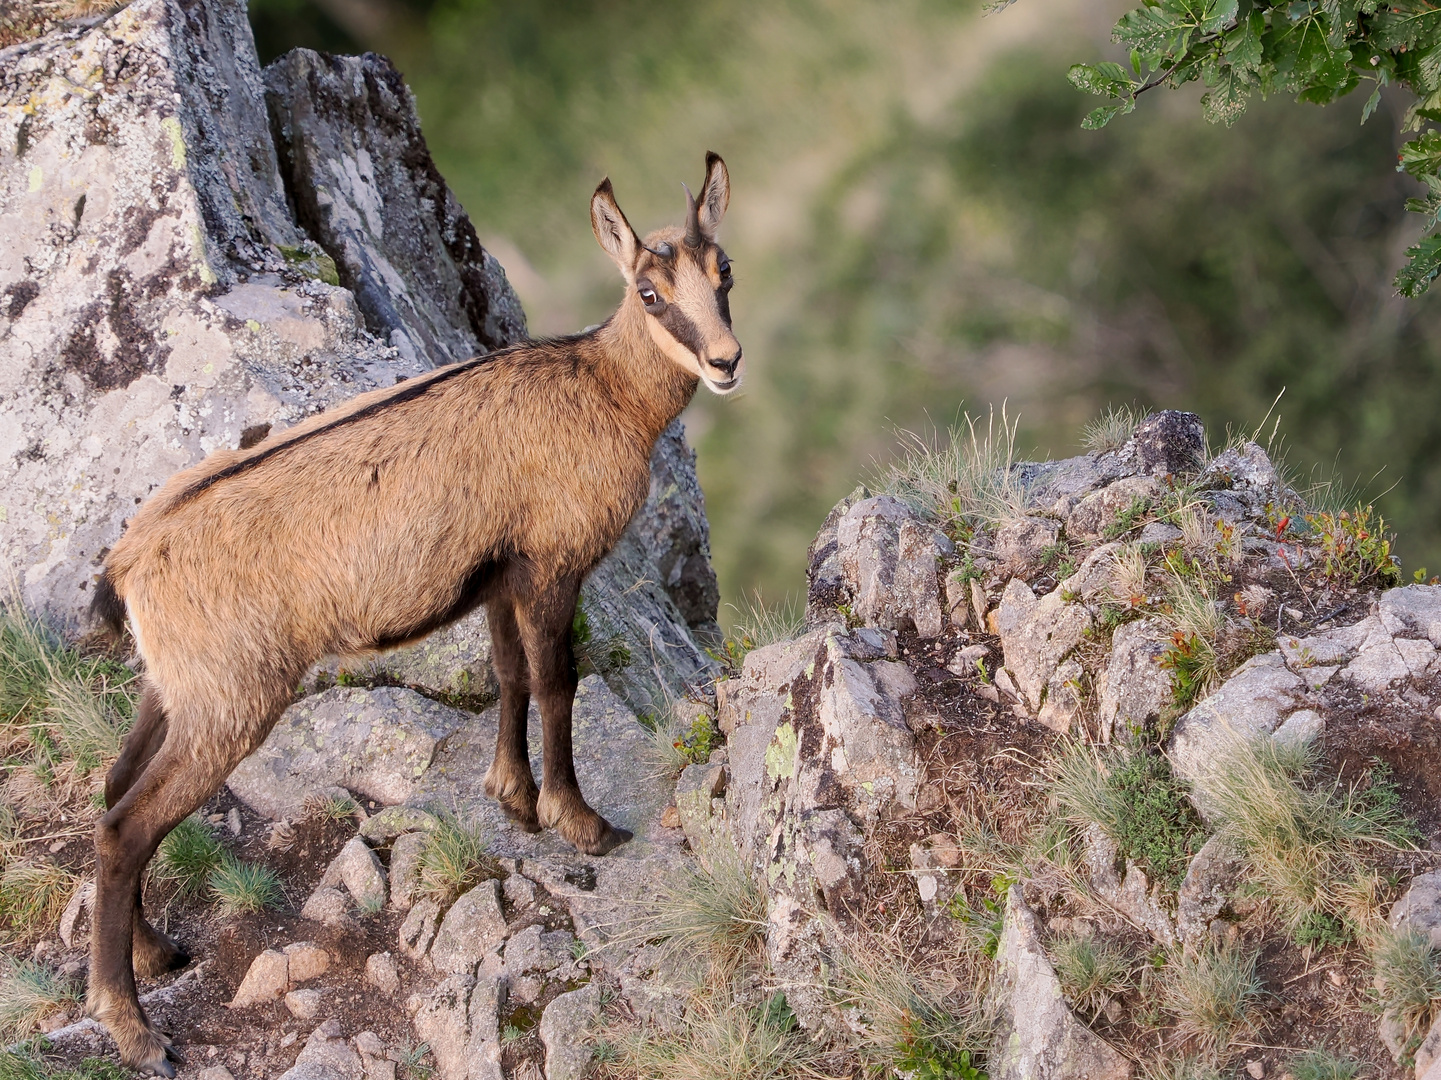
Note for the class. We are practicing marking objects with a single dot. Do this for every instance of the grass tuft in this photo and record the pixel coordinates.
(241, 887)
(966, 482)
(1310, 847)
(1319, 1063)
(29, 992)
(1091, 970)
(723, 1040)
(33, 893)
(454, 861)
(713, 910)
(188, 856)
(1408, 979)
(1213, 996)
(332, 808)
(1112, 429)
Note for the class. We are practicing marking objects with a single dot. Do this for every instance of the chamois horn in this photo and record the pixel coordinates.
(692, 220)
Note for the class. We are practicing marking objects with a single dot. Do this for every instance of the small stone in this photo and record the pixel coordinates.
(670, 817)
(232, 821)
(405, 865)
(360, 871)
(303, 1004)
(395, 821)
(288, 1038)
(519, 892)
(266, 980)
(1335, 978)
(81, 902)
(379, 1069)
(215, 1072)
(381, 973)
(328, 906)
(418, 929)
(1255, 1069)
(370, 1044)
(307, 961)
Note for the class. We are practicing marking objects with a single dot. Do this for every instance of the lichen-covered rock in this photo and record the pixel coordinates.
(1211, 875)
(819, 749)
(1098, 511)
(1245, 467)
(351, 152)
(326, 1056)
(1038, 1037)
(1134, 687)
(1132, 895)
(1021, 545)
(473, 925)
(917, 591)
(395, 821)
(417, 930)
(826, 588)
(563, 1026)
(1036, 635)
(1252, 703)
(377, 743)
(405, 855)
(1419, 908)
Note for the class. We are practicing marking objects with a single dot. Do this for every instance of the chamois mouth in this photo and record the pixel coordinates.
(723, 387)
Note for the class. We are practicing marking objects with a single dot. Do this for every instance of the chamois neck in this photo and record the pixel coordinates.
(648, 384)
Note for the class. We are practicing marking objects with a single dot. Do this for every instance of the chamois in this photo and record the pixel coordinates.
(501, 480)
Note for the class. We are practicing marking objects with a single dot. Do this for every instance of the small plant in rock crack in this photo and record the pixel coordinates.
(1111, 429)
(454, 861)
(1092, 971)
(240, 887)
(331, 808)
(411, 1063)
(1134, 514)
(1355, 548)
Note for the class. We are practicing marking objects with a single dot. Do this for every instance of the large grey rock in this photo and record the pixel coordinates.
(819, 750)
(1251, 704)
(377, 743)
(1038, 1037)
(1131, 895)
(1095, 513)
(1037, 635)
(1245, 467)
(364, 186)
(442, 1019)
(1419, 908)
(1134, 687)
(826, 588)
(1021, 545)
(150, 315)
(563, 1027)
(473, 925)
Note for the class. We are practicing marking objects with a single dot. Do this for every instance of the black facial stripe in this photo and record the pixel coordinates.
(682, 329)
(723, 302)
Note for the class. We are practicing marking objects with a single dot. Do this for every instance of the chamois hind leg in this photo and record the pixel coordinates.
(510, 781)
(545, 628)
(174, 783)
(154, 953)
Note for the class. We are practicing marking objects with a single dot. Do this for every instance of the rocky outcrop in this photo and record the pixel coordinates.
(195, 252)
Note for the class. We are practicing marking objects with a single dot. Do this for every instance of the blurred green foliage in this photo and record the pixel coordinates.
(918, 220)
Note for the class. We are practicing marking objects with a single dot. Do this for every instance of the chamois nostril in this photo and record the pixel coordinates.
(729, 365)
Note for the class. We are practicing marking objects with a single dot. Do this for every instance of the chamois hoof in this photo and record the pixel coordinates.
(516, 793)
(154, 953)
(148, 1051)
(609, 839)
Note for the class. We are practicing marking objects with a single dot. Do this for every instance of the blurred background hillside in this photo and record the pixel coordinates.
(918, 222)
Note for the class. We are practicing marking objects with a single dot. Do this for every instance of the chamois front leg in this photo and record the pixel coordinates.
(510, 781)
(545, 627)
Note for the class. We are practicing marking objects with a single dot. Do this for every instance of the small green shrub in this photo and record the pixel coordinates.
(1134, 514)
(239, 887)
(1139, 803)
(1354, 548)
(188, 856)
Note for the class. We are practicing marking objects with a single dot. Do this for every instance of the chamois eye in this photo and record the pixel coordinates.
(649, 298)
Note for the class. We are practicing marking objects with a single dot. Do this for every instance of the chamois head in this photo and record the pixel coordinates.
(681, 278)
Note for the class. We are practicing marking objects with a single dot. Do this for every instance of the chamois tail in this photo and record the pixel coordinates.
(107, 609)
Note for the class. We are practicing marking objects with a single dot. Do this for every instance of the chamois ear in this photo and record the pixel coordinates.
(613, 230)
(715, 196)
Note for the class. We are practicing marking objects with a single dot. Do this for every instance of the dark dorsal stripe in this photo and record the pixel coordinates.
(406, 391)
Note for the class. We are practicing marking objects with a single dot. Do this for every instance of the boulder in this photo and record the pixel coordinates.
(417, 930)
(358, 869)
(826, 588)
(1246, 468)
(1022, 545)
(387, 825)
(1036, 635)
(1212, 874)
(1419, 908)
(1095, 513)
(1038, 1037)
(917, 595)
(329, 906)
(473, 925)
(305, 960)
(376, 743)
(405, 856)
(1134, 687)
(1131, 895)
(563, 1030)
(267, 978)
